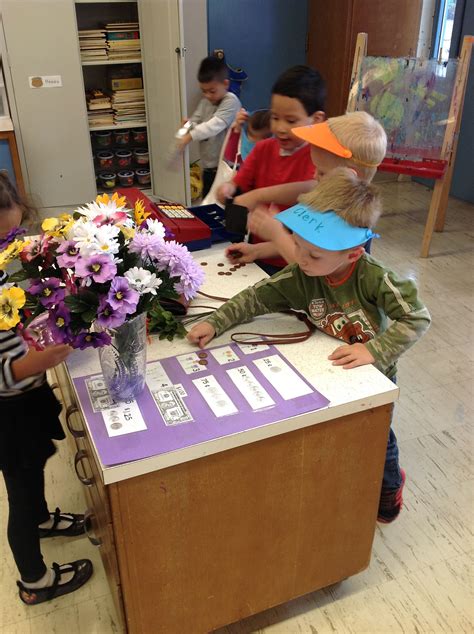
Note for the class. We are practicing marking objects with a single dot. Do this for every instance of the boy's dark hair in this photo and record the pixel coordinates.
(9, 197)
(212, 69)
(305, 84)
(259, 120)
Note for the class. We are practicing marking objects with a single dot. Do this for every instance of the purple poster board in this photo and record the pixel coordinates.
(158, 438)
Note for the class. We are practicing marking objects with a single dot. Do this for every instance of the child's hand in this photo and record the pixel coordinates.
(225, 191)
(249, 199)
(38, 361)
(351, 356)
(242, 253)
(261, 221)
(201, 334)
(240, 119)
(183, 142)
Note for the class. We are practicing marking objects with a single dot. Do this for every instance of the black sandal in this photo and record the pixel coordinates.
(75, 528)
(82, 569)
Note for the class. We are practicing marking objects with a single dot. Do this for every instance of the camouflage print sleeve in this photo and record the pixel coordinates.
(268, 296)
(398, 299)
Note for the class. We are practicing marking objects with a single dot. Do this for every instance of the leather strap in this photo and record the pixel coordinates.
(266, 339)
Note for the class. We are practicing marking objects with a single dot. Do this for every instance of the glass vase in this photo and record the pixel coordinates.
(123, 361)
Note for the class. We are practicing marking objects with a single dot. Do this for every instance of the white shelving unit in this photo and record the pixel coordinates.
(110, 62)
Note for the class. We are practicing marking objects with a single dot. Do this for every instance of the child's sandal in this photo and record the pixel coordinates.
(82, 569)
(75, 528)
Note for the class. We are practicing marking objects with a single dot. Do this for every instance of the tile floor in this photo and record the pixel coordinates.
(420, 577)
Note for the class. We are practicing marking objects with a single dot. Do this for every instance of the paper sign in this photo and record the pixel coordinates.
(251, 348)
(191, 363)
(253, 392)
(224, 355)
(45, 81)
(123, 418)
(156, 377)
(285, 381)
(215, 396)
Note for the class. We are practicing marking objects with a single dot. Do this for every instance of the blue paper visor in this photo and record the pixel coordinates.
(325, 230)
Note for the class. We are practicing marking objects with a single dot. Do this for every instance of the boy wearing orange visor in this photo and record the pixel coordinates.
(354, 140)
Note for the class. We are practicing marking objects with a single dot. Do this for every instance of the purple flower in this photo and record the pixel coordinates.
(190, 280)
(121, 297)
(49, 291)
(107, 317)
(145, 244)
(58, 324)
(98, 267)
(176, 259)
(11, 236)
(69, 254)
(91, 340)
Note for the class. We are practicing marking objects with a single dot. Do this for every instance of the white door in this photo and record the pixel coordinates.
(41, 41)
(163, 70)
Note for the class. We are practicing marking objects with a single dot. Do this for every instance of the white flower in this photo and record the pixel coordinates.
(106, 239)
(155, 227)
(142, 280)
(91, 239)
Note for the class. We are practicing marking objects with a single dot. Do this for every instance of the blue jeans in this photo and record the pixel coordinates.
(392, 478)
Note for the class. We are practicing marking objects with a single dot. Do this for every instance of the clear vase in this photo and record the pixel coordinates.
(123, 362)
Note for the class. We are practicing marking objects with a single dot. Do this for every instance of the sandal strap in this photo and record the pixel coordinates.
(56, 519)
(57, 577)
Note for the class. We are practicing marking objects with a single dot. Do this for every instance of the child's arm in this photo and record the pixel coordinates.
(272, 295)
(285, 194)
(244, 179)
(221, 120)
(398, 299)
(244, 252)
(262, 223)
(38, 361)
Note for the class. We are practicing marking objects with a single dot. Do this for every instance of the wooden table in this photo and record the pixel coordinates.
(199, 538)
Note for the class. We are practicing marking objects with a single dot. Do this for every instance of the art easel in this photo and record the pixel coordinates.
(442, 169)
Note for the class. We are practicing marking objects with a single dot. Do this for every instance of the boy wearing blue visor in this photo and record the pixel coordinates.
(343, 291)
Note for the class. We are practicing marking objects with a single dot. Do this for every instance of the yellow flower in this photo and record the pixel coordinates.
(10, 253)
(11, 300)
(50, 225)
(58, 226)
(128, 232)
(120, 201)
(140, 213)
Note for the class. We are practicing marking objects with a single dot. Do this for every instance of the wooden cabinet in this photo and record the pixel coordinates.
(41, 40)
(392, 26)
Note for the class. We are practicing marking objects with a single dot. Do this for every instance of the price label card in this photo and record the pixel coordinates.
(224, 355)
(156, 377)
(123, 418)
(98, 393)
(251, 348)
(285, 380)
(191, 363)
(219, 402)
(254, 393)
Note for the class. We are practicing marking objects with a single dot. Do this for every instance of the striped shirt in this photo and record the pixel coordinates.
(13, 347)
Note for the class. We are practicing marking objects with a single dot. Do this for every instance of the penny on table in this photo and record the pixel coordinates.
(202, 355)
(203, 263)
(203, 362)
(220, 273)
(227, 273)
(221, 264)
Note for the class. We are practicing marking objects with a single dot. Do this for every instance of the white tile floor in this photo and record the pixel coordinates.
(420, 577)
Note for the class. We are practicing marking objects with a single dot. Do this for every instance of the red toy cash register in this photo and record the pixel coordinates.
(181, 223)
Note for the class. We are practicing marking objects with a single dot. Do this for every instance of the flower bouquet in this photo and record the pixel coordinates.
(96, 275)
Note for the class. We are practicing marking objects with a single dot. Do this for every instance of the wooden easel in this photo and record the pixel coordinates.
(439, 199)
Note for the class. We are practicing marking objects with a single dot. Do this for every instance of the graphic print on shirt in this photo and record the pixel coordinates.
(353, 327)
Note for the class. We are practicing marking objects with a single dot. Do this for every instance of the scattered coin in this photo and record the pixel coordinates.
(228, 273)
(202, 355)
(221, 264)
(203, 263)
(203, 362)
(220, 273)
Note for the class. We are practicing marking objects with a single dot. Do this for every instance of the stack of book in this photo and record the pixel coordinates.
(123, 40)
(93, 45)
(99, 108)
(129, 106)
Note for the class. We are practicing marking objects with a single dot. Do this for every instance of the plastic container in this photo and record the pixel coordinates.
(139, 135)
(103, 138)
(123, 158)
(108, 180)
(122, 137)
(126, 178)
(143, 176)
(141, 156)
(105, 160)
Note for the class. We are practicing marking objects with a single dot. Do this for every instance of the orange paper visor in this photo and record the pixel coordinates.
(320, 134)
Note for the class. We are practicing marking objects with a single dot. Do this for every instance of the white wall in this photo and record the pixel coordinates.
(426, 28)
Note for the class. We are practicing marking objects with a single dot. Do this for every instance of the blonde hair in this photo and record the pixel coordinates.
(341, 190)
(364, 137)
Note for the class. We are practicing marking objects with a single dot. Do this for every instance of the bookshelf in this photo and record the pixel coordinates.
(111, 62)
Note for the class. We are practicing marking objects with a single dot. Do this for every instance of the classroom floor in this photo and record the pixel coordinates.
(420, 576)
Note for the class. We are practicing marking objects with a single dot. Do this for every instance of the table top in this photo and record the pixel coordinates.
(349, 391)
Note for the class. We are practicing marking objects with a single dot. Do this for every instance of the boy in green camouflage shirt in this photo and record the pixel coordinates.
(344, 292)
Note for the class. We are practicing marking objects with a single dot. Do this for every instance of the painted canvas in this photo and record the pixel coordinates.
(411, 99)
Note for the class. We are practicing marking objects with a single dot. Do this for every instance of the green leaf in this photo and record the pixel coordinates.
(19, 276)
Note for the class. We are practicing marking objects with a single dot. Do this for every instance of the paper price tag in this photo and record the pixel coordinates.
(285, 380)
(254, 393)
(215, 397)
(123, 418)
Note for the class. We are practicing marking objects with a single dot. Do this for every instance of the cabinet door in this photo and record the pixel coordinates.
(163, 71)
(41, 40)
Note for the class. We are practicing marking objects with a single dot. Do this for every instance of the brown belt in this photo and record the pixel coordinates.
(294, 337)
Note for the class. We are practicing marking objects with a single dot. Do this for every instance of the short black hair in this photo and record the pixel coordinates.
(212, 69)
(305, 84)
(259, 120)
